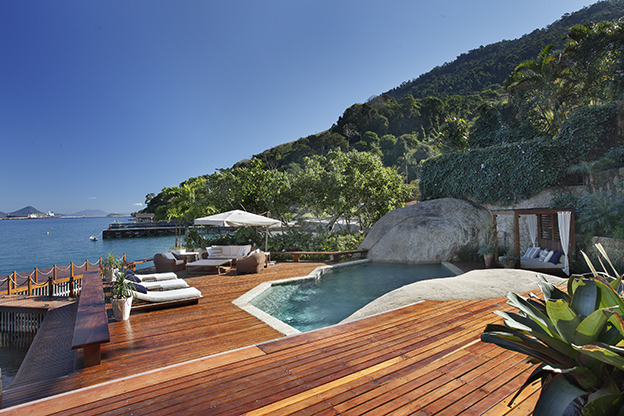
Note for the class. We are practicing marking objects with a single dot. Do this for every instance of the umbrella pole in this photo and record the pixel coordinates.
(266, 239)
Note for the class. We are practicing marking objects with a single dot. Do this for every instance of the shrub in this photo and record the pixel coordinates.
(576, 338)
(498, 173)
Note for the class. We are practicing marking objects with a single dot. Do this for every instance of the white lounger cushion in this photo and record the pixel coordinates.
(165, 285)
(156, 277)
(168, 295)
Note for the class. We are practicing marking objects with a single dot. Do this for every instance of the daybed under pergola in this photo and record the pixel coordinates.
(549, 228)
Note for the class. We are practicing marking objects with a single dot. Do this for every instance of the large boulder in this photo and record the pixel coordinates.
(427, 232)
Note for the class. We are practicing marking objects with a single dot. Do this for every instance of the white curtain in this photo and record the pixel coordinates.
(532, 223)
(563, 218)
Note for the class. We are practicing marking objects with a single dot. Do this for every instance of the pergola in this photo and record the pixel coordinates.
(551, 228)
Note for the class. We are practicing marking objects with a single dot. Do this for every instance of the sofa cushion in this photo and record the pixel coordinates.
(548, 256)
(168, 255)
(555, 257)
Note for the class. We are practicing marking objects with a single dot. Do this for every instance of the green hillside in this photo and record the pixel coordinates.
(498, 124)
(488, 66)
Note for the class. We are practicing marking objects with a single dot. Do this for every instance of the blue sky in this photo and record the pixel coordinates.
(103, 102)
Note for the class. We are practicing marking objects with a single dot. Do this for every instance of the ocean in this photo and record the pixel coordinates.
(29, 243)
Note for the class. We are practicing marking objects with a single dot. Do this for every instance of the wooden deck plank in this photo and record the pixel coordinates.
(424, 359)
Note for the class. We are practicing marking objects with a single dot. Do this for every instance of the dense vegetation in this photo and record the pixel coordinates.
(498, 124)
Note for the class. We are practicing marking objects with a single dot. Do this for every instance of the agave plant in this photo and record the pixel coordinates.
(577, 338)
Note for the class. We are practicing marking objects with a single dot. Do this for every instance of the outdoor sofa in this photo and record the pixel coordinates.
(253, 263)
(167, 262)
(226, 252)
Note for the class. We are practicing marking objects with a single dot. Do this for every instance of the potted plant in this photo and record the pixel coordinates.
(509, 260)
(487, 250)
(121, 296)
(108, 267)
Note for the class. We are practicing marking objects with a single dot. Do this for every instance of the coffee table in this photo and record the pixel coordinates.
(208, 264)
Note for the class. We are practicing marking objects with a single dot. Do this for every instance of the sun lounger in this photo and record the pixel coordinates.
(165, 285)
(156, 277)
(168, 295)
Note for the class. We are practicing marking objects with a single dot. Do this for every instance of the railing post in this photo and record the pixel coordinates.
(29, 286)
(124, 257)
(11, 282)
(72, 293)
(50, 287)
(55, 272)
(87, 265)
(71, 269)
(36, 275)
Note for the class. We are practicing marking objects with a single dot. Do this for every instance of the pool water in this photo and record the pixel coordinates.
(317, 303)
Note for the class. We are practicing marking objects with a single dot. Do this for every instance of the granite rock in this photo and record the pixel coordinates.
(427, 232)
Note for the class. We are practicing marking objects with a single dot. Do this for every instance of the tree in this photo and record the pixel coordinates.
(454, 134)
(350, 186)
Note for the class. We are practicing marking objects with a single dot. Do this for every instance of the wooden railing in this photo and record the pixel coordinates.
(54, 281)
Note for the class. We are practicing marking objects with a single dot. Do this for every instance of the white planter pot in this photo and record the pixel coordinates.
(121, 308)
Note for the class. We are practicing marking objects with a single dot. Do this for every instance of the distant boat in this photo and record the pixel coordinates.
(93, 238)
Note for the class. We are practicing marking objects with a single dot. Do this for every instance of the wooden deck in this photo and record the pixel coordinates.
(213, 358)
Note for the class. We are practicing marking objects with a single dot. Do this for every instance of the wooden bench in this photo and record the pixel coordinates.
(334, 256)
(91, 329)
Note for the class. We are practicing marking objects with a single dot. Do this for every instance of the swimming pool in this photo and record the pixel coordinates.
(312, 303)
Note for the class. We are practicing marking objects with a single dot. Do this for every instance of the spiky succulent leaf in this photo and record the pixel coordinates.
(556, 396)
(564, 318)
(590, 329)
(607, 354)
(585, 297)
(607, 400)
(581, 375)
(516, 341)
(539, 317)
(608, 297)
(528, 327)
(550, 291)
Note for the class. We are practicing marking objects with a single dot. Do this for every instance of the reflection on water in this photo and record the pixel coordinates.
(13, 349)
(317, 303)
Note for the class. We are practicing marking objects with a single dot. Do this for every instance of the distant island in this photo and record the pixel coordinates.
(32, 212)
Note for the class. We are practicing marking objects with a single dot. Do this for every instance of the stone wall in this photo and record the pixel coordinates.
(614, 248)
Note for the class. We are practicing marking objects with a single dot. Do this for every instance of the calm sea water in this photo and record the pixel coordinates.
(30, 243)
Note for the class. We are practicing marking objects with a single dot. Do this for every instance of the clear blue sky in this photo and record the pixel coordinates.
(103, 102)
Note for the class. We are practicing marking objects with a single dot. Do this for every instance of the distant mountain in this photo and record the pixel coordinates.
(24, 212)
(89, 213)
(3, 214)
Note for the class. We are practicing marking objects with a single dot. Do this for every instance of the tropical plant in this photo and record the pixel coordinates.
(110, 262)
(120, 287)
(576, 338)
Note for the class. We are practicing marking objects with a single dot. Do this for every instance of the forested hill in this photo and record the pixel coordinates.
(490, 65)
(404, 126)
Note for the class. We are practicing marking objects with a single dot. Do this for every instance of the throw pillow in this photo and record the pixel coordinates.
(555, 257)
(139, 288)
(549, 256)
(527, 255)
(543, 255)
(536, 252)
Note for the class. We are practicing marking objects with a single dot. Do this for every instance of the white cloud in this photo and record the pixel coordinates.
(91, 197)
(138, 204)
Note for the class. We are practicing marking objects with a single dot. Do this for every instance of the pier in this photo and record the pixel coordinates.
(141, 229)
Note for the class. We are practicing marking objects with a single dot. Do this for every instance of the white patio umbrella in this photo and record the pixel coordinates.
(238, 218)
